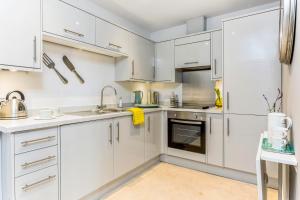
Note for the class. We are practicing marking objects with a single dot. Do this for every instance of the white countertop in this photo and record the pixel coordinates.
(30, 123)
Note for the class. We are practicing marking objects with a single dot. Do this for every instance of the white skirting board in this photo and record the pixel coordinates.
(215, 170)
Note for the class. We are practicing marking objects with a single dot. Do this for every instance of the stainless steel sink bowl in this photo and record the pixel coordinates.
(96, 112)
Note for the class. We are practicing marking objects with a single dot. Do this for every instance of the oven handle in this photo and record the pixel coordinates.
(186, 122)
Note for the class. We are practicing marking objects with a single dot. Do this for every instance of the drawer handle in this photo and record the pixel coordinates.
(74, 33)
(30, 164)
(189, 63)
(45, 180)
(30, 142)
(114, 45)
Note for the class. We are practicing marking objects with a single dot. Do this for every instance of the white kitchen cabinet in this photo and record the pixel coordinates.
(164, 61)
(64, 20)
(193, 51)
(251, 64)
(42, 184)
(86, 158)
(111, 36)
(241, 139)
(153, 135)
(216, 55)
(139, 65)
(214, 139)
(20, 36)
(129, 145)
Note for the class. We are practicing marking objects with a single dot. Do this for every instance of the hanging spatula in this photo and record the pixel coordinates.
(72, 68)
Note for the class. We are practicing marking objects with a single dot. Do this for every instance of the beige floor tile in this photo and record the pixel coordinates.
(170, 182)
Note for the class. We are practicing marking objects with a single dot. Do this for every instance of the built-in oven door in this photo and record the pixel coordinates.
(186, 135)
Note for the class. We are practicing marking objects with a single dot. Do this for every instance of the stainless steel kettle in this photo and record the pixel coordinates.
(13, 107)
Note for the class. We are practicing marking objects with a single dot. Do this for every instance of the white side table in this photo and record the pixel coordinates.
(284, 161)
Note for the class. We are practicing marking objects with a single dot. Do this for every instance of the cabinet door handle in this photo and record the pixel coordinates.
(227, 100)
(30, 164)
(132, 65)
(215, 66)
(73, 33)
(189, 63)
(154, 72)
(43, 181)
(110, 133)
(114, 45)
(210, 125)
(118, 132)
(228, 127)
(34, 49)
(31, 142)
(149, 124)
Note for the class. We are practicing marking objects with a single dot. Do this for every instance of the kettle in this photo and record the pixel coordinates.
(13, 107)
(138, 97)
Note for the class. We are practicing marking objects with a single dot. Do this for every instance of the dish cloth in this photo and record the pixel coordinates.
(138, 117)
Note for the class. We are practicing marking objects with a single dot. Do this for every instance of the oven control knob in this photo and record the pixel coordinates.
(195, 115)
(175, 115)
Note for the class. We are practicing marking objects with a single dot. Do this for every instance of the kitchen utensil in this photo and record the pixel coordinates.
(51, 65)
(138, 97)
(155, 98)
(13, 107)
(72, 68)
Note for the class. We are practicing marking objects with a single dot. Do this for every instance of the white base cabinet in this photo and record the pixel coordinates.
(214, 139)
(153, 135)
(129, 145)
(241, 139)
(20, 37)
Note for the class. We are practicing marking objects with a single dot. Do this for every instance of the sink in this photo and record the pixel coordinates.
(97, 112)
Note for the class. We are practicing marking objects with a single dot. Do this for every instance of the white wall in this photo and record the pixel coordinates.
(212, 23)
(291, 83)
(102, 13)
(46, 90)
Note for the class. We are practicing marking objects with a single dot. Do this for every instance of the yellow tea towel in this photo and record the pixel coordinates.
(138, 117)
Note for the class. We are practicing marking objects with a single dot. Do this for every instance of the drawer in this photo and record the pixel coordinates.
(192, 39)
(62, 19)
(35, 160)
(39, 185)
(37, 139)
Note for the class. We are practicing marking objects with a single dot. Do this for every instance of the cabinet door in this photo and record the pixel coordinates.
(64, 20)
(164, 61)
(42, 184)
(192, 55)
(216, 57)
(241, 139)
(251, 64)
(86, 158)
(20, 37)
(111, 37)
(153, 135)
(215, 139)
(129, 146)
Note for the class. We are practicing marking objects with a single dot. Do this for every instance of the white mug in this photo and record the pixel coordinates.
(278, 143)
(46, 114)
(278, 120)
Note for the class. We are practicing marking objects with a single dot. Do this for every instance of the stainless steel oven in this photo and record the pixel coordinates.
(186, 131)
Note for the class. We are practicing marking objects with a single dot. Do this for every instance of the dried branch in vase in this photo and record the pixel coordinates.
(276, 106)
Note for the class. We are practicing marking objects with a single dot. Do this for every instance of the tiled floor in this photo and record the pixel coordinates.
(169, 182)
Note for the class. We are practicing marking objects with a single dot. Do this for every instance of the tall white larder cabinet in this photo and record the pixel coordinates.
(251, 69)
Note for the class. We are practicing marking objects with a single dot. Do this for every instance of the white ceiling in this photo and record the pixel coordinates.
(154, 15)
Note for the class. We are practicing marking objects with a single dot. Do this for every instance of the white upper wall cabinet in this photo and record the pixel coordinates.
(251, 62)
(64, 20)
(192, 51)
(20, 36)
(111, 37)
(216, 55)
(139, 66)
(164, 61)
